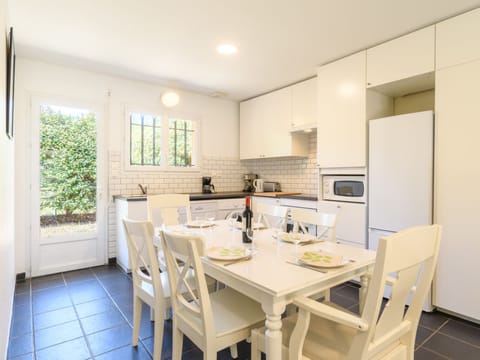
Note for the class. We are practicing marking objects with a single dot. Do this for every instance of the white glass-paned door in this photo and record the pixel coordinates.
(67, 203)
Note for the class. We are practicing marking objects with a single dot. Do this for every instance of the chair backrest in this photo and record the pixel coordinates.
(168, 209)
(411, 255)
(271, 215)
(143, 256)
(326, 223)
(193, 307)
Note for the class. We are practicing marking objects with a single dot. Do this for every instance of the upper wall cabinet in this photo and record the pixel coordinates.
(304, 104)
(341, 132)
(402, 58)
(458, 40)
(265, 124)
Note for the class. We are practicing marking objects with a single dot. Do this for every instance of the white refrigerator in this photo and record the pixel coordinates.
(400, 175)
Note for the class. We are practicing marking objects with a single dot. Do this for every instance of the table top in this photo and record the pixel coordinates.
(269, 269)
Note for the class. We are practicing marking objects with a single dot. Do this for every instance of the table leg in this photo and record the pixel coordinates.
(273, 333)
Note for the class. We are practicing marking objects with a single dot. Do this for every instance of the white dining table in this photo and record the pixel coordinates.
(270, 278)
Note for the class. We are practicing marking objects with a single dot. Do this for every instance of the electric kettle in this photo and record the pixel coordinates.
(258, 185)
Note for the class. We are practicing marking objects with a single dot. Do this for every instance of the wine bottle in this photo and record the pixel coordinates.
(247, 217)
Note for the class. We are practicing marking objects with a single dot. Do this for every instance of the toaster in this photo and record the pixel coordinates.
(271, 186)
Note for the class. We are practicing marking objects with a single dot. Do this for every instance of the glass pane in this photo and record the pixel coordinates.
(148, 145)
(136, 119)
(68, 181)
(147, 120)
(136, 145)
(158, 145)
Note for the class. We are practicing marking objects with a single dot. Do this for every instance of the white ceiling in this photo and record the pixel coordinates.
(173, 42)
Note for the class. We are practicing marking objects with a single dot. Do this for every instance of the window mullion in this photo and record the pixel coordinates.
(142, 142)
(165, 138)
(175, 144)
(153, 140)
(185, 143)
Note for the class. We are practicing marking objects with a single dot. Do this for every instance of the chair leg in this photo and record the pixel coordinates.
(326, 295)
(234, 351)
(137, 316)
(158, 336)
(290, 309)
(177, 343)
(209, 354)
(255, 353)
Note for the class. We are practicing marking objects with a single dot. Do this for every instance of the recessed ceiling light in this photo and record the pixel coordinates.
(227, 49)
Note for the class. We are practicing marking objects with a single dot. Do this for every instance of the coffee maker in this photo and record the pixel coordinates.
(248, 182)
(207, 186)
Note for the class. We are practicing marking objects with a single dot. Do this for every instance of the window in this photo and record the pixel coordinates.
(180, 142)
(161, 142)
(145, 139)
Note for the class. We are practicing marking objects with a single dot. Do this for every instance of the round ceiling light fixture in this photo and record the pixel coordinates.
(170, 99)
(227, 49)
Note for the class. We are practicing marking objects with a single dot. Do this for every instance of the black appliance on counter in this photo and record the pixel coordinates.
(248, 182)
(207, 186)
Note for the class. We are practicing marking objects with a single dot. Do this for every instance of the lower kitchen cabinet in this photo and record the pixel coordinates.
(351, 226)
(133, 210)
(226, 206)
(203, 209)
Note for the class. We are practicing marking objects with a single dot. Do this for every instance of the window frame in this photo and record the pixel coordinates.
(165, 116)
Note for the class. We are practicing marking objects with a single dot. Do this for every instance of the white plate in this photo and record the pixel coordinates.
(295, 237)
(200, 224)
(323, 259)
(227, 253)
(256, 226)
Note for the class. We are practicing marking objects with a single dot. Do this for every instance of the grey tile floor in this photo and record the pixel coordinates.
(87, 314)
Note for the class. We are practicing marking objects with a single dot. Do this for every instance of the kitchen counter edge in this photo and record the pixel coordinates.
(193, 196)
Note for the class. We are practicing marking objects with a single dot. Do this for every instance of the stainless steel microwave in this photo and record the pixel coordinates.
(349, 188)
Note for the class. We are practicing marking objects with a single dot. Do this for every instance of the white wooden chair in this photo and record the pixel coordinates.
(271, 215)
(168, 209)
(212, 321)
(325, 223)
(149, 285)
(326, 331)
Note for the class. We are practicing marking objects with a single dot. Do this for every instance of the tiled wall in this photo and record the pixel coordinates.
(293, 174)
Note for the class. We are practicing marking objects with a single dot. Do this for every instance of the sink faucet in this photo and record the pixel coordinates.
(143, 188)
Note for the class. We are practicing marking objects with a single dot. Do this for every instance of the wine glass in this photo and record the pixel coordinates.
(251, 236)
(232, 219)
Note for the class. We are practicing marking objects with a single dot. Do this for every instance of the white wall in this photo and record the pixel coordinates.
(219, 122)
(7, 206)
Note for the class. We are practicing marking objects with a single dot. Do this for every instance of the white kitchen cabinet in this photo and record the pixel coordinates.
(133, 210)
(265, 124)
(226, 206)
(405, 57)
(342, 127)
(456, 201)
(458, 40)
(252, 129)
(203, 209)
(351, 221)
(304, 104)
